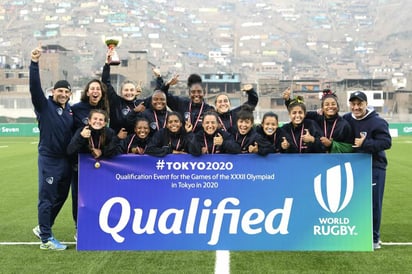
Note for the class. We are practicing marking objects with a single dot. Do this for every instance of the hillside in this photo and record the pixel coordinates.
(305, 38)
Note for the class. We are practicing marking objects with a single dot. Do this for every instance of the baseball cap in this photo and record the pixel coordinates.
(358, 95)
(62, 84)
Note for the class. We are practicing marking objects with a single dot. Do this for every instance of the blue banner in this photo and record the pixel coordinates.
(229, 202)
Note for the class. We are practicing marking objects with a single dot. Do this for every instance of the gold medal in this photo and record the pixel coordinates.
(97, 165)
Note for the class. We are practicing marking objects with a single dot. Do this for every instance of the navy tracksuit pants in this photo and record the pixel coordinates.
(54, 185)
(378, 187)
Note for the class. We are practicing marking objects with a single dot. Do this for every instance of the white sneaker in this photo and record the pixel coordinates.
(52, 244)
(36, 231)
(376, 246)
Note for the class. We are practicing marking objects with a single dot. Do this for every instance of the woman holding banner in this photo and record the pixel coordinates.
(301, 135)
(245, 134)
(173, 139)
(211, 139)
(137, 142)
(337, 133)
(94, 96)
(95, 138)
(270, 131)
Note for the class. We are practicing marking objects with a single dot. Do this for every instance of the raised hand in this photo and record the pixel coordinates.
(247, 87)
(286, 94)
(139, 88)
(173, 81)
(36, 53)
(139, 108)
(109, 55)
(156, 72)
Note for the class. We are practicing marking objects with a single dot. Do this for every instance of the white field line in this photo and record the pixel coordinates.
(222, 254)
(401, 142)
(31, 143)
(392, 243)
(222, 262)
(30, 243)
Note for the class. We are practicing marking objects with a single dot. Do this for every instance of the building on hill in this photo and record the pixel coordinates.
(56, 63)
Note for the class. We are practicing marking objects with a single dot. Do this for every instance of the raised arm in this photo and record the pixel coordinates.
(252, 96)
(37, 95)
(286, 96)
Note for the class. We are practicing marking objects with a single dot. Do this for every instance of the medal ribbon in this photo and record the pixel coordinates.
(223, 125)
(198, 116)
(243, 140)
(213, 147)
(332, 130)
(294, 139)
(130, 144)
(157, 121)
(177, 145)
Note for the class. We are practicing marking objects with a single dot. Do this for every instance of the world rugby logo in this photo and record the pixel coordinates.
(332, 189)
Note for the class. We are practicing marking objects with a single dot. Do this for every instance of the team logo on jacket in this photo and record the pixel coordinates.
(331, 194)
(153, 125)
(125, 111)
(187, 115)
(59, 111)
(85, 121)
(49, 180)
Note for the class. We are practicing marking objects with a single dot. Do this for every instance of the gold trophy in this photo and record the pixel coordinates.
(112, 43)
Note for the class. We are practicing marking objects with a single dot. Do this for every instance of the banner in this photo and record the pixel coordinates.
(19, 130)
(27, 129)
(401, 129)
(226, 202)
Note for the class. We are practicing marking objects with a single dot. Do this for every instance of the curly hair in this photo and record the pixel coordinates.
(103, 103)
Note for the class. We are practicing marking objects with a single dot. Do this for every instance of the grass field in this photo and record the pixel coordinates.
(18, 215)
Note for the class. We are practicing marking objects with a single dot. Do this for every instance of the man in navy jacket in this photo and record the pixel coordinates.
(55, 121)
(371, 136)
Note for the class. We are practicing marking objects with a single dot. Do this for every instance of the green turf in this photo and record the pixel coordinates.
(18, 215)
